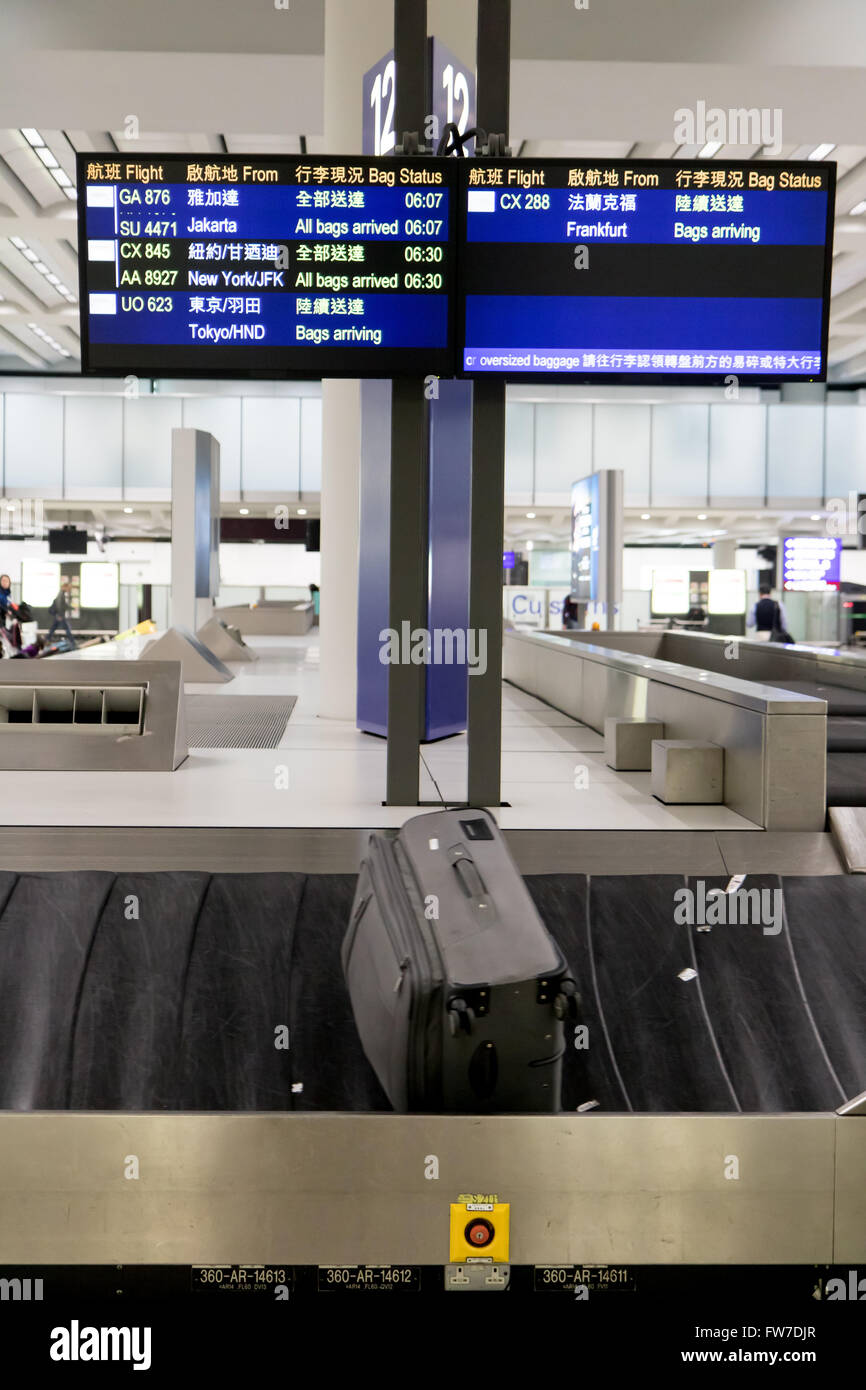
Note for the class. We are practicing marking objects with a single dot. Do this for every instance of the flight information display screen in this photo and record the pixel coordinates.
(283, 266)
(618, 271)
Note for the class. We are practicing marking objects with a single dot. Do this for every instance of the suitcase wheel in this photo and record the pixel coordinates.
(460, 1017)
(567, 1002)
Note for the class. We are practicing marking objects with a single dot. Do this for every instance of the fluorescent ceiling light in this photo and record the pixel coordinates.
(32, 136)
(244, 511)
(821, 151)
(71, 193)
(31, 255)
(41, 267)
(858, 208)
(302, 511)
(47, 157)
(53, 279)
(530, 516)
(61, 177)
(529, 546)
(710, 148)
(645, 516)
(128, 511)
(815, 517)
(702, 516)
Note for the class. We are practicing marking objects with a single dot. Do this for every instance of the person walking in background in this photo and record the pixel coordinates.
(767, 615)
(59, 613)
(6, 604)
(570, 613)
(9, 612)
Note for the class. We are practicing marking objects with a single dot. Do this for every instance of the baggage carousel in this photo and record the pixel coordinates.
(139, 1018)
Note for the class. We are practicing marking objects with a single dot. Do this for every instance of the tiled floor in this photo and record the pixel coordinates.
(553, 771)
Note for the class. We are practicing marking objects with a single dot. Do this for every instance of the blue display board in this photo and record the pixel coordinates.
(290, 266)
(584, 539)
(811, 564)
(618, 270)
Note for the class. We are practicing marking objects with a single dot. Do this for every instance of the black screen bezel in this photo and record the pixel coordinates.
(412, 362)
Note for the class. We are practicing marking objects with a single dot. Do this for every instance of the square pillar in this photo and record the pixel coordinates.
(195, 527)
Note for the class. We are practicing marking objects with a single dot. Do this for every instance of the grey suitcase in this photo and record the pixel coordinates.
(458, 990)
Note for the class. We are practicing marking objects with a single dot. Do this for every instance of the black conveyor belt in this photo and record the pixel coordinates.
(168, 990)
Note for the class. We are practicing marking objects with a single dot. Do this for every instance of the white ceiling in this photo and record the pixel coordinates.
(550, 527)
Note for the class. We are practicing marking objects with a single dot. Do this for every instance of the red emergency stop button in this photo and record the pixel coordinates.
(479, 1233)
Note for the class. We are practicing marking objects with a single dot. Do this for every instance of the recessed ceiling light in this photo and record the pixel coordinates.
(821, 151)
(645, 516)
(10, 506)
(32, 136)
(41, 267)
(31, 255)
(858, 208)
(530, 516)
(816, 516)
(128, 511)
(702, 516)
(48, 159)
(61, 177)
(18, 241)
(302, 511)
(71, 193)
(245, 511)
(710, 148)
(529, 546)
(53, 279)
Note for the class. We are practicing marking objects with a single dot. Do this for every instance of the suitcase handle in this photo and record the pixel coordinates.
(471, 882)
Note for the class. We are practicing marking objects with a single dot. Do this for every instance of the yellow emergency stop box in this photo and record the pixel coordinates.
(479, 1232)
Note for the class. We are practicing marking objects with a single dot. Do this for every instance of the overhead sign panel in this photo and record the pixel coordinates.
(727, 592)
(811, 564)
(670, 591)
(100, 582)
(672, 270)
(282, 266)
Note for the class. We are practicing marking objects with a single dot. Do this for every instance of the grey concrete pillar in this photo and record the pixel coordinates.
(195, 526)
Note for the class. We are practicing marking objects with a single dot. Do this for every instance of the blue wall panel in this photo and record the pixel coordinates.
(448, 593)
(448, 554)
(375, 519)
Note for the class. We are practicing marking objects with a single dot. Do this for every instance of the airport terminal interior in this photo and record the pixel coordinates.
(433, 519)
